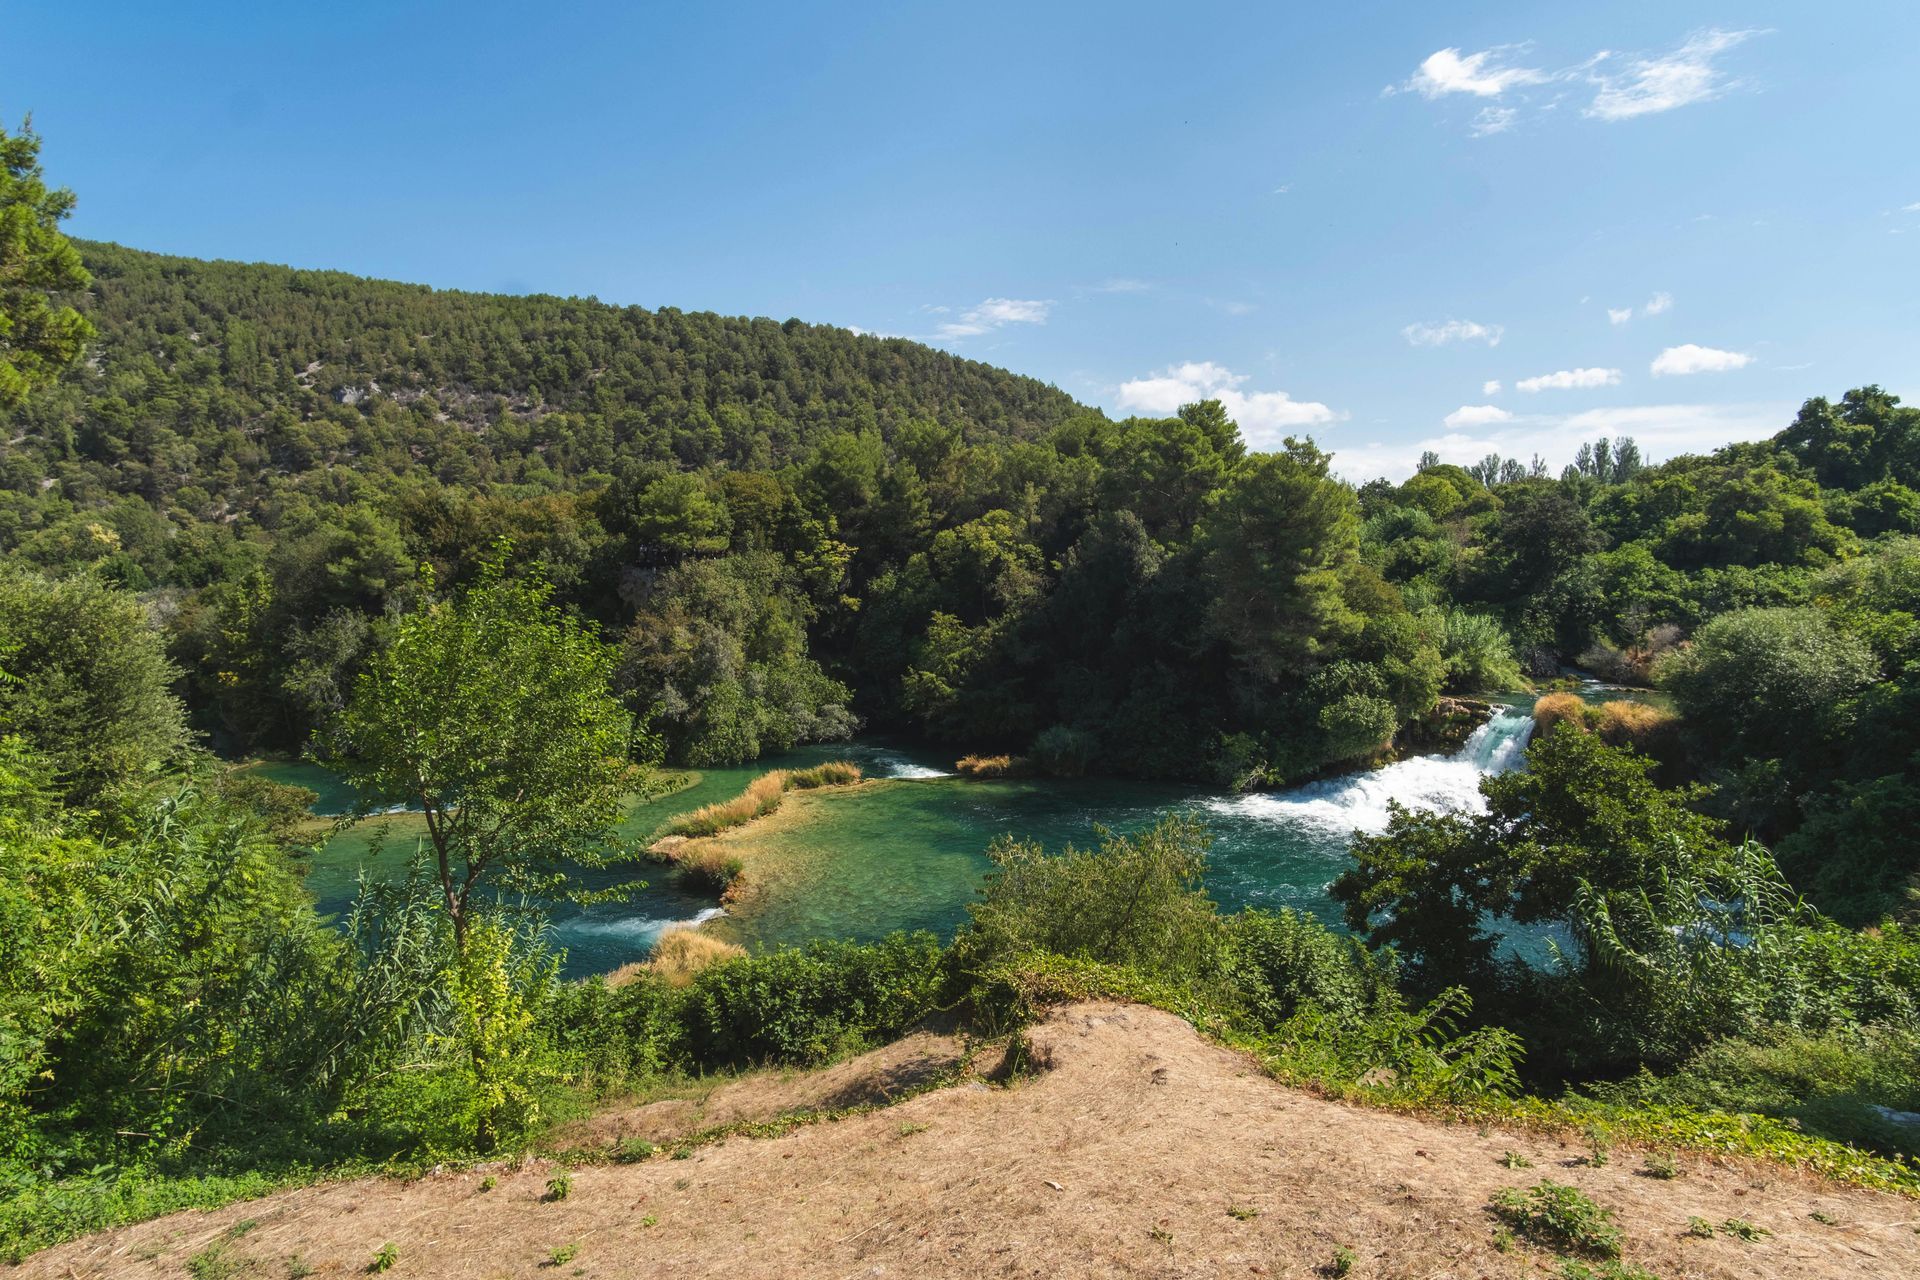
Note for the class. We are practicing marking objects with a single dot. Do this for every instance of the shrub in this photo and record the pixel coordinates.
(1559, 1217)
(807, 1004)
(1280, 961)
(1064, 752)
(1136, 900)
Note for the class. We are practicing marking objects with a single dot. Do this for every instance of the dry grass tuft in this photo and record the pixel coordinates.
(684, 950)
(1558, 708)
(834, 773)
(1618, 723)
(761, 797)
(993, 766)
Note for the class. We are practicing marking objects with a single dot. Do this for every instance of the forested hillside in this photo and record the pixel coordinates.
(794, 530)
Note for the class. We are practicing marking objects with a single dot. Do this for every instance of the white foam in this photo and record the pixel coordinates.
(1361, 802)
(889, 765)
(644, 930)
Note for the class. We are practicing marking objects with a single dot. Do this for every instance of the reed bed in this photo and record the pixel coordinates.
(761, 797)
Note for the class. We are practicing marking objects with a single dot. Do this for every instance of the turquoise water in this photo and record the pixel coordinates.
(910, 854)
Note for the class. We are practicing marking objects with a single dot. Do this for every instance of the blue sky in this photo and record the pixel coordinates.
(1351, 221)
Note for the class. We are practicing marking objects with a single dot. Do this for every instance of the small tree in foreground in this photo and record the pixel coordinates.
(493, 714)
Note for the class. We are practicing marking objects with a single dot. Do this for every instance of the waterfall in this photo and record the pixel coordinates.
(1360, 801)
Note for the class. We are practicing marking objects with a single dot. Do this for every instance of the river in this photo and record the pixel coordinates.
(910, 854)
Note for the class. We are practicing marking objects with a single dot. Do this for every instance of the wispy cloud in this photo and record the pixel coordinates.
(1685, 76)
(1692, 358)
(991, 314)
(1491, 387)
(1265, 417)
(1122, 284)
(1658, 304)
(1569, 380)
(1623, 86)
(1448, 331)
(1484, 74)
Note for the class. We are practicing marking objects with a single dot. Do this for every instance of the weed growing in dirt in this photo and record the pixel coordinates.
(489, 1182)
(1824, 1219)
(1340, 1264)
(1514, 1160)
(908, 1130)
(1598, 1151)
(1242, 1213)
(1570, 1269)
(632, 1151)
(1697, 1226)
(560, 1186)
(298, 1268)
(1744, 1230)
(1559, 1217)
(563, 1255)
(215, 1263)
(383, 1260)
(1662, 1165)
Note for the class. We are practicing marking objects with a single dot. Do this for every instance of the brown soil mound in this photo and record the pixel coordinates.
(1142, 1149)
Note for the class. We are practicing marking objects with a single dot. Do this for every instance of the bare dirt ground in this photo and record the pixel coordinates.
(1140, 1150)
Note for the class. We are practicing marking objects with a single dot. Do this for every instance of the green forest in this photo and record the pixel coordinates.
(514, 558)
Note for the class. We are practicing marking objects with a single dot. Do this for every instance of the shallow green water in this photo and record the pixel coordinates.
(911, 854)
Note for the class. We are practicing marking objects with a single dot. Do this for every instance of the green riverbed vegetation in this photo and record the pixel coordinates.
(510, 561)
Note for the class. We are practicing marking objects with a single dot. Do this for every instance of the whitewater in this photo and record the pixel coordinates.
(1363, 802)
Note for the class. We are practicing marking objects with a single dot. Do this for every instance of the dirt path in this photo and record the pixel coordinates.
(1142, 1150)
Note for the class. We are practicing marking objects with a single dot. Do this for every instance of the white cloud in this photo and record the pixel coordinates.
(1619, 315)
(1476, 415)
(991, 313)
(1623, 86)
(1678, 79)
(1911, 208)
(1265, 417)
(1569, 380)
(1661, 430)
(1658, 303)
(1481, 74)
(1690, 358)
(1492, 120)
(1491, 387)
(1122, 284)
(1439, 335)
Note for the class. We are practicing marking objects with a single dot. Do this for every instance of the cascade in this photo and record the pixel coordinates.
(1361, 801)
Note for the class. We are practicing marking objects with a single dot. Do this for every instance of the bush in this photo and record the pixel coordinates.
(1478, 654)
(1064, 752)
(1136, 900)
(1281, 961)
(808, 1004)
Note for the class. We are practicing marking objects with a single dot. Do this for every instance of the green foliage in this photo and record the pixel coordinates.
(384, 1258)
(493, 713)
(84, 678)
(560, 1186)
(39, 335)
(1559, 1217)
(1135, 900)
